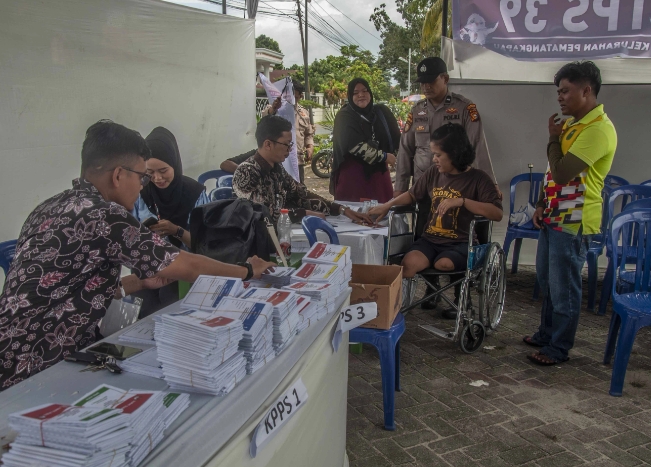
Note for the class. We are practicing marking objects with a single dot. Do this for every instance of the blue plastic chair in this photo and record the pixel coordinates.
(221, 193)
(7, 252)
(387, 343)
(599, 241)
(225, 181)
(216, 174)
(513, 232)
(647, 182)
(629, 193)
(312, 223)
(631, 310)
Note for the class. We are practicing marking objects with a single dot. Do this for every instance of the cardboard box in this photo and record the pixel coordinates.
(379, 284)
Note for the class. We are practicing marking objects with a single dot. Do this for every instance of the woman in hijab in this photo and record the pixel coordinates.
(365, 137)
(169, 198)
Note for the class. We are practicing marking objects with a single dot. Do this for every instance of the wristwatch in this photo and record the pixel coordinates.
(249, 269)
(179, 233)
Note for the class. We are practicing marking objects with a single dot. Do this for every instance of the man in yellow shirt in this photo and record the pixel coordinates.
(580, 153)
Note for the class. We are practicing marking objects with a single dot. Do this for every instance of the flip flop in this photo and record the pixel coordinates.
(542, 359)
(529, 341)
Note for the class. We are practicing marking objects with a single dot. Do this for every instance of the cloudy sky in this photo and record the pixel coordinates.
(341, 14)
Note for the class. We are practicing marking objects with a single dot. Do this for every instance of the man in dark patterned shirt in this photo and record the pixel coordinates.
(263, 179)
(67, 264)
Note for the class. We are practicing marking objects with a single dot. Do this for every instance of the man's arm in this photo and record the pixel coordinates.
(231, 164)
(245, 179)
(566, 168)
(405, 159)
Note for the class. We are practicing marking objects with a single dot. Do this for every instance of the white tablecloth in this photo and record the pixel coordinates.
(217, 430)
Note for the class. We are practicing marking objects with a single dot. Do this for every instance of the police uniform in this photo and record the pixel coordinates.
(414, 155)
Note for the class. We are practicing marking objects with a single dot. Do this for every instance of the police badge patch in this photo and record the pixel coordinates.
(409, 122)
(472, 111)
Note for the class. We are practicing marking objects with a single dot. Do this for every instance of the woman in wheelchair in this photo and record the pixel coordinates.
(458, 192)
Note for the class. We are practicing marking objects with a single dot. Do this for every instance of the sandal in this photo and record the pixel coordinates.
(529, 341)
(542, 359)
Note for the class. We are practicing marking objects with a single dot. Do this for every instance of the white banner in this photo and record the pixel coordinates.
(281, 411)
(284, 89)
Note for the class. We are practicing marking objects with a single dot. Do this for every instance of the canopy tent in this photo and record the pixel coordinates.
(142, 63)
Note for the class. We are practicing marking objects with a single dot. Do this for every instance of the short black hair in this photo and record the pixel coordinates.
(298, 86)
(453, 140)
(109, 144)
(271, 128)
(580, 72)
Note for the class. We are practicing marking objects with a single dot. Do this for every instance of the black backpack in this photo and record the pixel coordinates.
(231, 230)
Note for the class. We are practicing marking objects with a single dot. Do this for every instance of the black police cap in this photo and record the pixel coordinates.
(429, 68)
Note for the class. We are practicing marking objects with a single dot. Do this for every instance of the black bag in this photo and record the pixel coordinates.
(231, 230)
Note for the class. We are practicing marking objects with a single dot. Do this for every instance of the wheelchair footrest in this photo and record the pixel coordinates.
(438, 332)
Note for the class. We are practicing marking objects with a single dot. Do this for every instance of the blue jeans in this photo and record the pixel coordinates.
(559, 261)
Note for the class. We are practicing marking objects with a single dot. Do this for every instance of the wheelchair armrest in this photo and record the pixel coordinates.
(403, 209)
(478, 218)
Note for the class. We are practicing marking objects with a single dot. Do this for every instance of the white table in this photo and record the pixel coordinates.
(216, 431)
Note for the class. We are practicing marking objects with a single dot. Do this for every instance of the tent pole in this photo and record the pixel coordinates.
(444, 21)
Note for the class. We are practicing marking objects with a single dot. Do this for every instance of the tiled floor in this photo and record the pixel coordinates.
(527, 415)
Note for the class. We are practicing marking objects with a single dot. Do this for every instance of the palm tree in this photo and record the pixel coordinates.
(432, 24)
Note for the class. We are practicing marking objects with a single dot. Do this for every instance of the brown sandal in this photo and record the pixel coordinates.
(542, 359)
(529, 341)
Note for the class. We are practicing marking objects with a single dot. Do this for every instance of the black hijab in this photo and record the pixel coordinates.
(354, 125)
(175, 202)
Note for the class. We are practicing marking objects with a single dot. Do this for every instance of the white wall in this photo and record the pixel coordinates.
(64, 64)
(515, 122)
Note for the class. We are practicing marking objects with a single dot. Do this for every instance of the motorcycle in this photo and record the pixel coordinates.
(322, 162)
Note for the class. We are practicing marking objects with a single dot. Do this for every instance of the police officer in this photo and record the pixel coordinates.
(304, 129)
(439, 107)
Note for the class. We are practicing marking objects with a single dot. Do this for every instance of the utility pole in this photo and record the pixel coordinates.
(223, 7)
(409, 72)
(307, 78)
(444, 21)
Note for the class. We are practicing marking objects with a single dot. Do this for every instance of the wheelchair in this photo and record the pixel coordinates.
(483, 280)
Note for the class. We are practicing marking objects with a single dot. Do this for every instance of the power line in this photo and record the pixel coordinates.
(332, 27)
(345, 16)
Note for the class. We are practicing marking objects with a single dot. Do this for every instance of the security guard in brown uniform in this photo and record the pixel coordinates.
(304, 129)
(439, 107)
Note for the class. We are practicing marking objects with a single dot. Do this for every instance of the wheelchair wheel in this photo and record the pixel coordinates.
(492, 287)
(472, 337)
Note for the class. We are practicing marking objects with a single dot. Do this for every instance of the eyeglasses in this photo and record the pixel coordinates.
(145, 178)
(357, 93)
(290, 145)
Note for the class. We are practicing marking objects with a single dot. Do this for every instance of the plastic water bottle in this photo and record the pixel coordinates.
(285, 233)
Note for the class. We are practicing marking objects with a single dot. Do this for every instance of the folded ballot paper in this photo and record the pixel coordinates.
(280, 276)
(207, 291)
(324, 253)
(109, 427)
(140, 333)
(307, 313)
(143, 363)
(285, 313)
(199, 352)
(322, 295)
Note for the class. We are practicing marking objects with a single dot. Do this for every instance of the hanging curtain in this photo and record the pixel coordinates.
(251, 8)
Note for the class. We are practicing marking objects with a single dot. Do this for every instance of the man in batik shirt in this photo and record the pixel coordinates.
(263, 179)
(67, 264)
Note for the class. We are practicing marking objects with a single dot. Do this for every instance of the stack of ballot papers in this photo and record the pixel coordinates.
(285, 313)
(255, 317)
(144, 363)
(280, 276)
(255, 283)
(207, 291)
(307, 313)
(65, 435)
(324, 253)
(140, 333)
(107, 427)
(145, 412)
(322, 295)
(199, 350)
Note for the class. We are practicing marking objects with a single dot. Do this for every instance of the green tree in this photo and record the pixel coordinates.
(266, 42)
(418, 16)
